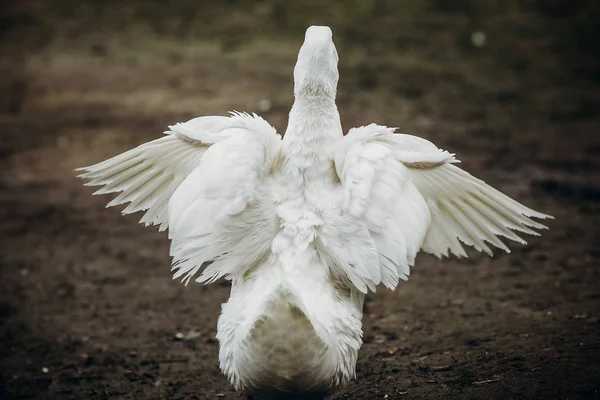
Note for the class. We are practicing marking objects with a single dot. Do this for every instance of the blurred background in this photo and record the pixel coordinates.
(87, 305)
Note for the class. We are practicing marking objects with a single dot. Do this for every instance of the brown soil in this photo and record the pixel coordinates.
(87, 306)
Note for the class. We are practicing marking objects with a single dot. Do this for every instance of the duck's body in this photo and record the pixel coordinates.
(303, 226)
(299, 331)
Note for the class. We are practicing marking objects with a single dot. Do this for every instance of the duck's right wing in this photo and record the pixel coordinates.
(410, 195)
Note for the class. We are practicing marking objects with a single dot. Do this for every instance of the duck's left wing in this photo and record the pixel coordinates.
(148, 175)
(203, 181)
(410, 195)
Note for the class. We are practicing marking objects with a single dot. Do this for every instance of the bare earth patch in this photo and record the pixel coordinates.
(87, 305)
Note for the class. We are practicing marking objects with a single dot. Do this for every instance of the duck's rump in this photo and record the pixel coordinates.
(282, 354)
(285, 353)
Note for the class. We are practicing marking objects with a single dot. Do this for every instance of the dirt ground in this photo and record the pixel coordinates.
(88, 309)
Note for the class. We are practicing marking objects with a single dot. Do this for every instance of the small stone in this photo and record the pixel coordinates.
(478, 39)
(45, 370)
(191, 335)
(179, 336)
(264, 105)
(24, 272)
(380, 339)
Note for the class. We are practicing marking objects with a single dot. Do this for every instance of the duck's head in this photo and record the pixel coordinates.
(316, 70)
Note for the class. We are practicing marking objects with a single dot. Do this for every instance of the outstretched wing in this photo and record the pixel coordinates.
(148, 175)
(411, 196)
(201, 181)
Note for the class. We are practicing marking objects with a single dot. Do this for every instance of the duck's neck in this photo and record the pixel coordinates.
(314, 127)
(314, 118)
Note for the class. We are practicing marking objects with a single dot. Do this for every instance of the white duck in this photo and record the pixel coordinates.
(303, 226)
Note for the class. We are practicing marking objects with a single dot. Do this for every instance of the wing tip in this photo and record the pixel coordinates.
(542, 216)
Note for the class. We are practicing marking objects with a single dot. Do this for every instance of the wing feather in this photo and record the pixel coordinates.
(148, 175)
(412, 196)
(202, 181)
(143, 175)
(382, 205)
(468, 209)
